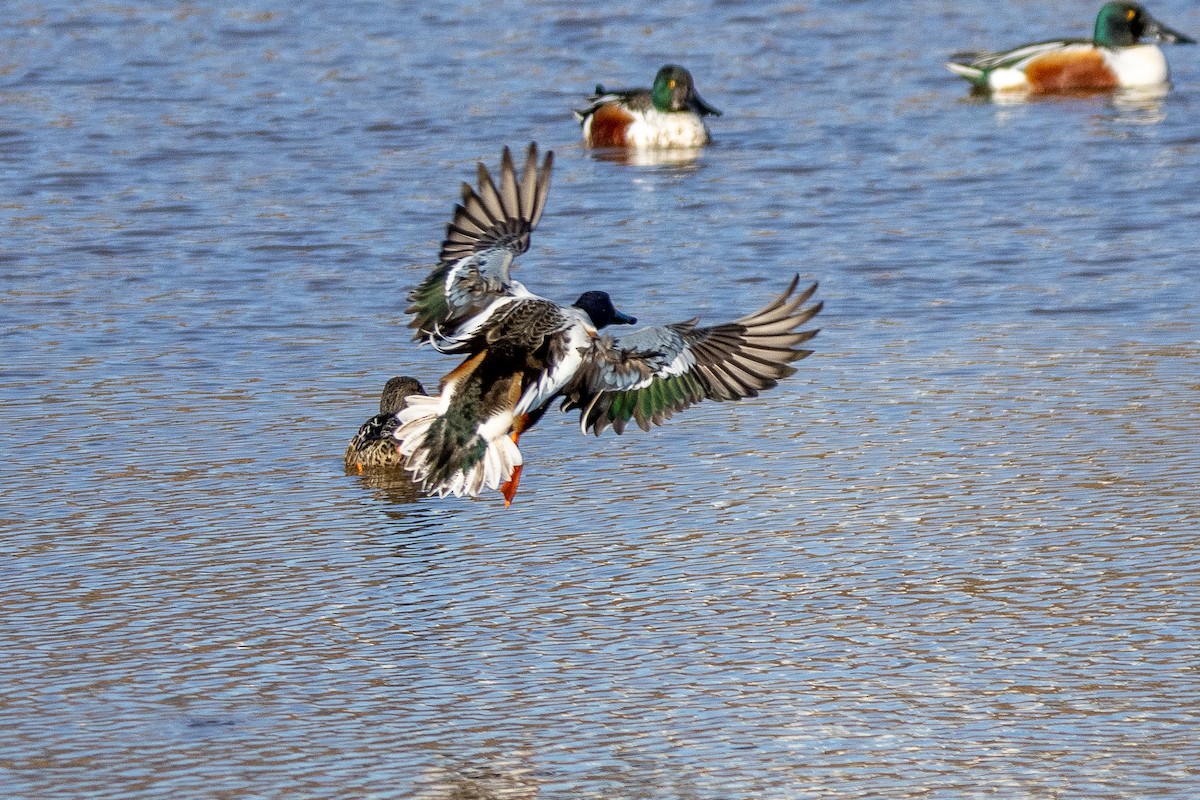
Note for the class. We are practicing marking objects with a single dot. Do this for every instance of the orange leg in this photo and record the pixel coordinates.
(509, 487)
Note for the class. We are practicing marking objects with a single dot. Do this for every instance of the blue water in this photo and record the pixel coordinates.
(953, 556)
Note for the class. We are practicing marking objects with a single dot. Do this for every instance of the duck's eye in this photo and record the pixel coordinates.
(671, 84)
(1130, 14)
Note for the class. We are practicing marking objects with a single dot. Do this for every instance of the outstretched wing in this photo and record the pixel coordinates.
(499, 217)
(490, 228)
(650, 374)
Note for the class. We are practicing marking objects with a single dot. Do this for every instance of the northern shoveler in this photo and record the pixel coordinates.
(1115, 57)
(373, 446)
(667, 115)
(523, 351)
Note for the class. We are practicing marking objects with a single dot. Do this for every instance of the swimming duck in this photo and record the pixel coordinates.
(523, 351)
(1115, 57)
(373, 446)
(667, 115)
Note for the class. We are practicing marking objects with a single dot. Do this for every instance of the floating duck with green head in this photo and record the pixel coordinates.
(670, 114)
(1121, 54)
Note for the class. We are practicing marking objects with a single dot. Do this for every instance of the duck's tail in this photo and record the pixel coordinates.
(975, 75)
(447, 451)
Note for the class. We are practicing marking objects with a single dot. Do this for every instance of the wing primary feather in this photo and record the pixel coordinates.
(467, 222)
(776, 303)
(489, 195)
(542, 190)
(527, 195)
(510, 197)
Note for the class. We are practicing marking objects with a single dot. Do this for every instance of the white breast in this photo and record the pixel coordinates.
(578, 338)
(1141, 65)
(653, 128)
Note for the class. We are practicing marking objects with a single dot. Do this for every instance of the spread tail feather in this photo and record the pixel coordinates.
(441, 465)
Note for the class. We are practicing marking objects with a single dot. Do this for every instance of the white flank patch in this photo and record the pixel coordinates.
(1007, 79)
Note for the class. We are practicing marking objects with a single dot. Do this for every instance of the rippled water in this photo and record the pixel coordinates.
(954, 556)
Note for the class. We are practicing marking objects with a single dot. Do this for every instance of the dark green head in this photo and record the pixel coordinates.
(1125, 24)
(599, 306)
(674, 91)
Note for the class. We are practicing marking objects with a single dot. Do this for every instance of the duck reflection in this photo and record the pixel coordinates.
(1145, 106)
(652, 157)
(500, 781)
(1136, 106)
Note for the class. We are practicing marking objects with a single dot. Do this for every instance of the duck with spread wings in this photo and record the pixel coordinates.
(521, 352)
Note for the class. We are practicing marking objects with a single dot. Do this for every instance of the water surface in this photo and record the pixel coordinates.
(953, 556)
